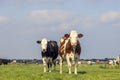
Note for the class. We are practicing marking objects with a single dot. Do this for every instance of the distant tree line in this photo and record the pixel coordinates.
(39, 61)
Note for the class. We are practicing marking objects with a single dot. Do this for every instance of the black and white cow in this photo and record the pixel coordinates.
(4, 61)
(49, 53)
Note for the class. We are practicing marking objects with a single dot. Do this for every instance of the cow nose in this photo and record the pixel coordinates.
(44, 50)
(74, 47)
(73, 44)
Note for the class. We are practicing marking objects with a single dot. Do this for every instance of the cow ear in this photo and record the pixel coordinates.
(66, 35)
(38, 42)
(80, 35)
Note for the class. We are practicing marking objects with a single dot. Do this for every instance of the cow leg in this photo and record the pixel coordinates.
(50, 65)
(69, 63)
(76, 62)
(61, 65)
(76, 66)
(54, 62)
(44, 63)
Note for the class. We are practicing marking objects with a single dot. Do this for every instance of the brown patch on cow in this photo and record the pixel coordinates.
(61, 47)
(78, 48)
(66, 36)
(69, 48)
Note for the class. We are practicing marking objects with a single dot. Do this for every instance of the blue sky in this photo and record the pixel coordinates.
(23, 22)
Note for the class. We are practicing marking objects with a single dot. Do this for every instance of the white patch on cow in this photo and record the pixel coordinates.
(44, 63)
(73, 37)
(44, 44)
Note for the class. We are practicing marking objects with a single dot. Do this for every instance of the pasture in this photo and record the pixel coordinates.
(35, 72)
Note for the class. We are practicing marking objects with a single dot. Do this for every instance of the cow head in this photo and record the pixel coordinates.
(43, 43)
(73, 36)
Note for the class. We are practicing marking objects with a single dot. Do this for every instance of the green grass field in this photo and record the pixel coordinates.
(35, 72)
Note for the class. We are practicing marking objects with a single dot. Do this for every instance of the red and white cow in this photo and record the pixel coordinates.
(70, 49)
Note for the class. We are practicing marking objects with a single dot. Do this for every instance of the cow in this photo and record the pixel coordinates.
(118, 60)
(69, 50)
(111, 63)
(49, 53)
(89, 62)
(4, 61)
(0, 61)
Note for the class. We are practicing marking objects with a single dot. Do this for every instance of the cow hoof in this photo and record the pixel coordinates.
(54, 69)
(69, 72)
(44, 71)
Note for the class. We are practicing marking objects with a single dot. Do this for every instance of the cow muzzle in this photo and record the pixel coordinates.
(74, 48)
(44, 50)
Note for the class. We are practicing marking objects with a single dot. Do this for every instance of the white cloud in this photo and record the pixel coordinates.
(116, 24)
(49, 16)
(68, 24)
(34, 1)
(46, 1)
(4, 19)
(54, 1)
(110, 16)
(22, 2)
(62, 19)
